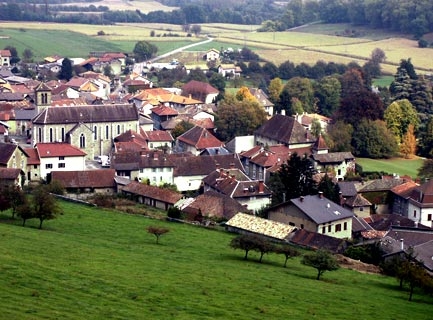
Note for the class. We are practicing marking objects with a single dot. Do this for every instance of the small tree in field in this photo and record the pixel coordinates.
(288, 251)
(157, 232)
(44, 205)
(245, 242)
(25, 211)
(321, 260)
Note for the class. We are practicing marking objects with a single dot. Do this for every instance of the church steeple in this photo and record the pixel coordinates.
(42, 97)
(320, 146)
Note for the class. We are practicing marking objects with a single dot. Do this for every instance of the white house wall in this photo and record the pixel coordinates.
(49, 164)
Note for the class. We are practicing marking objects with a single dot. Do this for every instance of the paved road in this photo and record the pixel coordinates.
(138, 67)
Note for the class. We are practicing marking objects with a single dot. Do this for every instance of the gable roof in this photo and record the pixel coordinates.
(257, 225)
(100, 178)
(58, 149)
(214, 204)
(423, 194)
(198, 88)
(189, 165)
(200, 138)
(283, 129)
(10, 173)
(88, 114)
(148, 191)
(333, 157)
(314, 240)
(6, 152)
(320, 209)
(157, 136)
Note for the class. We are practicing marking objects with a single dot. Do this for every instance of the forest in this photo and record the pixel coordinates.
(409, 17)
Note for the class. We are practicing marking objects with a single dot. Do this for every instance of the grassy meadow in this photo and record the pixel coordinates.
(300, 45)
(398, 166)
(98, 264)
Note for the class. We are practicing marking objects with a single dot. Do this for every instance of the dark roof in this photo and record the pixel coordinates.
(424, 253)
(6, 152)
(357, 201)
(423, 194)
(320, 209)
(379, 184)
(214, 204)
(387, 221)
(283, 129)
(93, 113)
(10, 173)
(315, 240)
(148, 191)
(101, 178)
(411, 236)
(333, 157)
(347, 188)
(359, 225)
(189, 165)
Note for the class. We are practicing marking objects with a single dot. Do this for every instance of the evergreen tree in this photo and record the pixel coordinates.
(66, 71)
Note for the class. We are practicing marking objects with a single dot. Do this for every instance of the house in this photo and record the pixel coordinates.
(401, 195)
(153, 166)
(158, 139)
(190, 170)
(33, 165)
(253, 194)
(211, 205)
(420, 206)
(200, 91)
(151, 195)
(212, 55)
(91, 128)
(360, 206)
(281, 129)
(196, 140)
(307, 119)
(249, 224)
(5, 58)
(12, 177)
(339, 164)
(313, 241)
(59, 156)
(86, 183)
(229, 71)
(315, 213)
(263, 100)
(162, 114)
(13, 156)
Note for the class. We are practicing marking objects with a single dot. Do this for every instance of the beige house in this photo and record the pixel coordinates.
(5, 56)
(315, 213)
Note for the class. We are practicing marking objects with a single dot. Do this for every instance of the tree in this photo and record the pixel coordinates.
(373, 139)
(181, 127)
(302, 89)
(25, 211)
(245, 242)
(27, 55)
(340, 134)
(288, 251)
(426, 170)
(196, 29)
(238, 118)
(157, 232)
(408, 144)
(293, 179)
(413, 274)
(66, 71)
(144, 50)
(263, 246)
(321, 260)
(15, 197)
(217, 81)
(14, 54)
(108, 71)
(327, 90)
(330, 189)
(275, 87)
(44, 205)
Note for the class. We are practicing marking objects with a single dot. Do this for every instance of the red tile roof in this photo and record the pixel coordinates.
(9, 173)
(33, 158)
(101, 178)
(58, 149)
(152, 192)
(200, 138)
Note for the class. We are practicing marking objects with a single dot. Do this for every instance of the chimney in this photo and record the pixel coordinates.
(232, 165)
(320, 194)
(301, 199)
(283, 112)
(402, 244)
(261, 186)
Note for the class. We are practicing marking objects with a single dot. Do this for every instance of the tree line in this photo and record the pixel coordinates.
(412, 17)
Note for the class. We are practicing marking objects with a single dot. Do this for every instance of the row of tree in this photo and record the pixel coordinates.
(40, 205)
(411, 17)
(321, 260)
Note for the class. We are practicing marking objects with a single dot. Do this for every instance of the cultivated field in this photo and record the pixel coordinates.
(276, 47)
(145, 6)
(99, 264)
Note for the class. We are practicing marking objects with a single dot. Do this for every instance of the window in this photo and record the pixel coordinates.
(429, 217)
(323, 229)
(49, 166)
(35, 166)
(302, 226)
(95, 133)
(63, 134)
(141, 170)
(329, 228)
(61, 165)
(82, 141)
(118, 129)
(106, 132)
(345, 226)
(153, 169)
(361, 209)
(51, 134)
(414, 213)
(338, 227)
(39, 134)
(61, 158)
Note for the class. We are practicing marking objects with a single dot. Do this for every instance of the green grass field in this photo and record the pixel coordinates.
(99, 264)
(398, 166)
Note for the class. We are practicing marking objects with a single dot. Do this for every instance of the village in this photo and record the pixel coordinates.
(97, 135)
